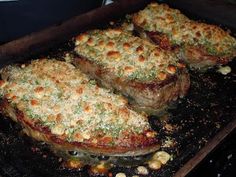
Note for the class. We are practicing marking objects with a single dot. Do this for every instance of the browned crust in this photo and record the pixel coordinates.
(151, 96)
(195, 56)
(132, 146)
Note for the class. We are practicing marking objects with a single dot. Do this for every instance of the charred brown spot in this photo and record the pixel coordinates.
(195, 27)
(90, 42)
(81, 37)
(87, 108)
(139, 49)
(128, 68)
(114, 54)
(14, 97)
(38, 89)
(171, 69)
(126, 46)
(110, 44)
(34, 102)
(79, 90)
(141, 58)
(101, 43)
(198, 34)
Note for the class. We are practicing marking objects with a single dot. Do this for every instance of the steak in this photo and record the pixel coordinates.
(149, 76)
(201, 45)
(56, 103)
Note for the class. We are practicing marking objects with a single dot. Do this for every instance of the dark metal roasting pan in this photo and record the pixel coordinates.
(202, 119)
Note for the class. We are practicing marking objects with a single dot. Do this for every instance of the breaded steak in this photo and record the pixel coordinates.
(148, 75)
(56, 103)
(201, 45)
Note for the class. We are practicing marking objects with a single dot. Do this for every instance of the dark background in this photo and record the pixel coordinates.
(25, 16)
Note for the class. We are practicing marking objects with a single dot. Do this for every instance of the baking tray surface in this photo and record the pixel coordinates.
(188, 125)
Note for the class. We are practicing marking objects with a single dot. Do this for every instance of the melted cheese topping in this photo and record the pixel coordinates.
(125, 55)
(63, 99)
(183, 31)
